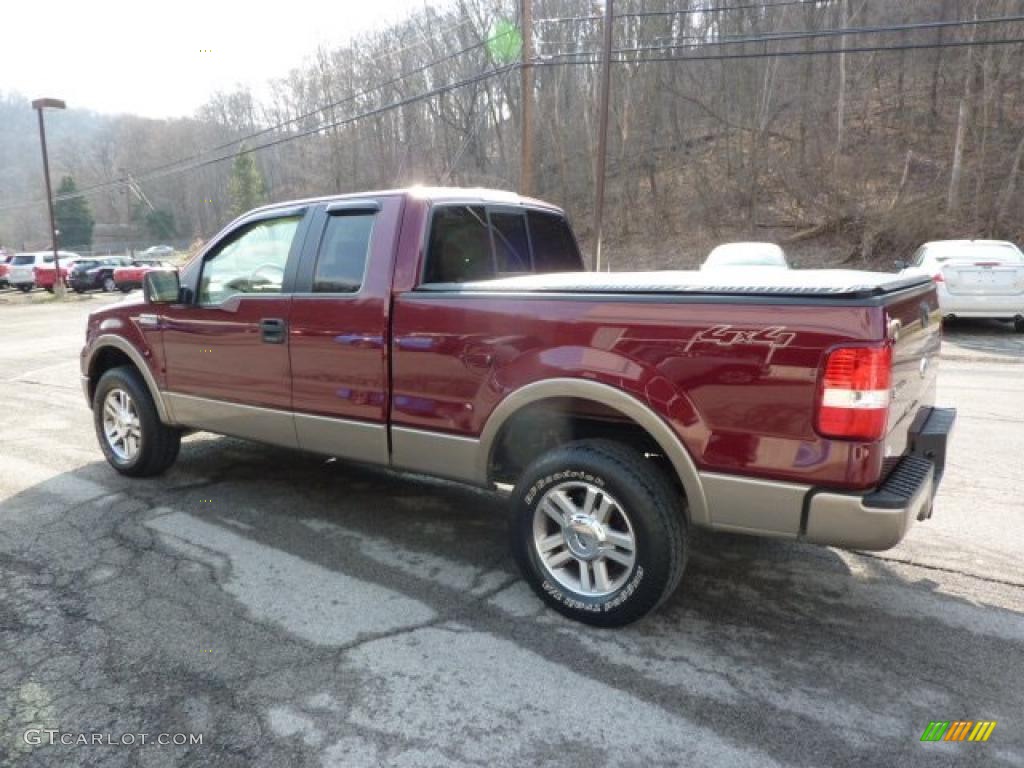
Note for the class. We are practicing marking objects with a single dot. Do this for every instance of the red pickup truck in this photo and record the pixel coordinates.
(453, 333)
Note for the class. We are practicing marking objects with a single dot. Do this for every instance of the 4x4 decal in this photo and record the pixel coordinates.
(727, 336)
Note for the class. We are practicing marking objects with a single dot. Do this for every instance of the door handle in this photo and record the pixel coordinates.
(273, 330)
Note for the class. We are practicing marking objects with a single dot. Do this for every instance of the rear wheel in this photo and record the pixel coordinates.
(134, 440)
(125, 288)
(24, 288)
(109, 284)
(599, 532)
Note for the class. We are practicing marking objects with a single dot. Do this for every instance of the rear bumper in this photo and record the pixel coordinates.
(995, 306)
(880, 518)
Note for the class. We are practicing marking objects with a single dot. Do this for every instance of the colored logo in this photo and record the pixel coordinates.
(958, 730)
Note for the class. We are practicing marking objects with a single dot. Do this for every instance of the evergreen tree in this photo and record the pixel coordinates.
(245, 187)
(74, 218)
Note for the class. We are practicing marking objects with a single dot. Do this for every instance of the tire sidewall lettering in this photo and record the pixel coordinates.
(557, 477)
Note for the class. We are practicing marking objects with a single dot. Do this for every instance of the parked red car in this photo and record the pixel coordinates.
(45, 275)
(129, 278)
(423, 330)
(5, 259)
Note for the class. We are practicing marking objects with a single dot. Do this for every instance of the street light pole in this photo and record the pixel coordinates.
(602, 131)
(39, 105)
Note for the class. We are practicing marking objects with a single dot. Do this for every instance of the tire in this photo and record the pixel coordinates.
(79, 290)
(156, 444)
(1018, 324)
(124, 288)
(645, 510)
(108, 284)
(25, 287)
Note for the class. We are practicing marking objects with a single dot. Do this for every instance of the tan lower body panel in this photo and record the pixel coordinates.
(755, 506)
(436, 453)
(265, 425)
(344, 438)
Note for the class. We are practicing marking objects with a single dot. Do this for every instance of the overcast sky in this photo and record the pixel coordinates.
(147, 58)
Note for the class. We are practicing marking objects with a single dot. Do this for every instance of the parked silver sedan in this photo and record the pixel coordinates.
(974, 278)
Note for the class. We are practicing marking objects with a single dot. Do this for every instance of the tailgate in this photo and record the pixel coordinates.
(915, 327)
(984, 278)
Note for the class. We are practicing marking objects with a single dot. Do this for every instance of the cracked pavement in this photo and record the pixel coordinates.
(305, 612)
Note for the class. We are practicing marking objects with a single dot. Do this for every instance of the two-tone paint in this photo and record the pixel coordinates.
(424, 380)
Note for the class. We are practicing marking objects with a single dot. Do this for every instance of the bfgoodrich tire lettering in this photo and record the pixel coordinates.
(157, 444)
(599, 532)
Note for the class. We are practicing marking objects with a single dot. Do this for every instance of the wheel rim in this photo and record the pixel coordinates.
(583, 539)
(109, 284)
(121, 425)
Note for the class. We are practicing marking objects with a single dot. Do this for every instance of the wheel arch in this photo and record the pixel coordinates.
(109, 351)
(628, 407)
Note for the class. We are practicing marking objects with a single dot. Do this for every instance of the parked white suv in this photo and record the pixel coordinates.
(21, 273)
(974, 278)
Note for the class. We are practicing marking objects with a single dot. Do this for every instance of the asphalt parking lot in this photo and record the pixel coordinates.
(302, 612)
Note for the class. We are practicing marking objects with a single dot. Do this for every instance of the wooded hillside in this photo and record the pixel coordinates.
(731, 119)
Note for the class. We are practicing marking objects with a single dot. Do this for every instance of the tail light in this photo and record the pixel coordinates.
(938, 278)
(855, 392)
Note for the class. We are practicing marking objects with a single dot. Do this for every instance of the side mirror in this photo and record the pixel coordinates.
(900, 264)
(161, 286)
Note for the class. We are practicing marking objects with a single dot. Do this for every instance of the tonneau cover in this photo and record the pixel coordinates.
(748, 281)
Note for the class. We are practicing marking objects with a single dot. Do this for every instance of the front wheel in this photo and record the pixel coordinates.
(109, 285)
(599, 532)
(128, 427)
(25, 288)
(125, 288)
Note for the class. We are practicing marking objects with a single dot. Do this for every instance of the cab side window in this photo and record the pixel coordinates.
(253, 262)
(341, 261)
(460, 245)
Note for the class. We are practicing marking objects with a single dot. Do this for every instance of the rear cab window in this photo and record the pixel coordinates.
(475, 242)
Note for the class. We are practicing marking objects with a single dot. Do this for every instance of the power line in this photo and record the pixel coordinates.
(440, 90)
(680, 11)
(826, 33)
(113, 183)
(783, 54)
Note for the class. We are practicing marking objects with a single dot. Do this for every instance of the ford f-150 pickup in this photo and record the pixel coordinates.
(454, 333)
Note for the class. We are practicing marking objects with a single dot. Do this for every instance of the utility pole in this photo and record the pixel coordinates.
(602, 131)
(39, 105)
(526, 76)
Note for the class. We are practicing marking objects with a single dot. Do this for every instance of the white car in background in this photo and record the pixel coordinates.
(744, 255)
(974, 278)
(21, 272)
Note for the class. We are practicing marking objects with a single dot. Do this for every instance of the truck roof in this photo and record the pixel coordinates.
(479, 195)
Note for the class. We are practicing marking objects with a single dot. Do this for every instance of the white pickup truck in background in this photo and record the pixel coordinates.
(975, 278)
